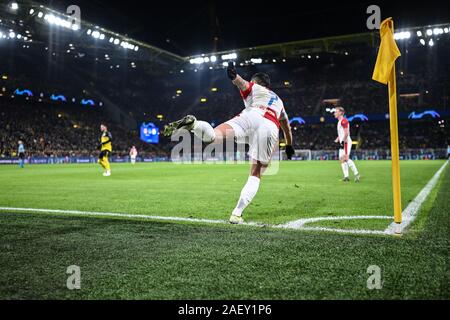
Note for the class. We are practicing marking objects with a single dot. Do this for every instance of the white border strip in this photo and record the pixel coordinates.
(352, 231)
(300, 224)
(110, 214)
(410, 213)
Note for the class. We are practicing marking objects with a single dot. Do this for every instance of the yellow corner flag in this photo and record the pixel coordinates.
(384, 73)
(387, 54)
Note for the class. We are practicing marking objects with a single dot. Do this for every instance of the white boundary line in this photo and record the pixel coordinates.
(109, 214)
(300, 224)
(408, 215)
(118, 214)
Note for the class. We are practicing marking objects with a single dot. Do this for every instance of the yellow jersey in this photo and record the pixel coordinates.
(106, 141)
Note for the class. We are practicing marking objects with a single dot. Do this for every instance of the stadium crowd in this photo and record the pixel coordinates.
(307, 86)
(55, 130)
(51, 129)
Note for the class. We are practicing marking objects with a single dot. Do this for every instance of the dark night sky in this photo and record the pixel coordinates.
(188, 27)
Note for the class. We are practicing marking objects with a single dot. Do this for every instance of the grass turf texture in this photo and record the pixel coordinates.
(151, 260)
(299, 190)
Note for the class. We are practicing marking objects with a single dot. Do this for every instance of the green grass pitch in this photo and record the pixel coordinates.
(147, 259)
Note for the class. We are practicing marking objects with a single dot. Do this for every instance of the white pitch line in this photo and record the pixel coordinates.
(352, 231)
(124, 215)
(300, 224)
(410, 213)
(112, 214)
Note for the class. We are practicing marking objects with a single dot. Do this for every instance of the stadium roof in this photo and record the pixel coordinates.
(42, 25)
(35, 24)
(340, 45)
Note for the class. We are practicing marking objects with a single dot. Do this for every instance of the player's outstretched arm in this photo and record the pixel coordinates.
(237, 80)
(287, 132)
(286, 127)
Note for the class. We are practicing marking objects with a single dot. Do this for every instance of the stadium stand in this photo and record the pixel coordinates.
(160, 87)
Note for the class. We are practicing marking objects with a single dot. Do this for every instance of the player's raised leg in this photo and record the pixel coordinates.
(201, 129)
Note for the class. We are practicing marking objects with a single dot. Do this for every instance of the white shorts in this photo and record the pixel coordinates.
(258, 132)
(133, 158)
(347, 149)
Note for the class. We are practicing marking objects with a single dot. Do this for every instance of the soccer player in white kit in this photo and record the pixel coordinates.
(258, 124)
(133, 154)
(345, 145)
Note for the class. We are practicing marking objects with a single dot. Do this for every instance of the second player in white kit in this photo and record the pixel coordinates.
(345, 145)
(133, 154)
(258, 125)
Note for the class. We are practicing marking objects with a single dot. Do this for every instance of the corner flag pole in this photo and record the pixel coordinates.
(384, 73)
(395, 153)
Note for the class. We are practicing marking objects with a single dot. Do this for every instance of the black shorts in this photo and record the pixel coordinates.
(21, 155)
(104, 153)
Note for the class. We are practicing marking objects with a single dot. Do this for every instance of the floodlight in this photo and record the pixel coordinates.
(438, 31)
(230, 56)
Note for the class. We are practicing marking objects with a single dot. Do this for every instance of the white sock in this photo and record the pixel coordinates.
(345, 169)
(247, 194)
(352, 166)
(204, 131)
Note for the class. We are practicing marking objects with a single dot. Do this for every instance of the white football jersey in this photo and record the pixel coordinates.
(133, 152)
(264, 100)
(343, 124)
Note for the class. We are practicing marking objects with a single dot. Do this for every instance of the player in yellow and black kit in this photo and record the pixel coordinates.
(105, 148)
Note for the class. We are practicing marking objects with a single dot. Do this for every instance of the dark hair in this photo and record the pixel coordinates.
(262, 79)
